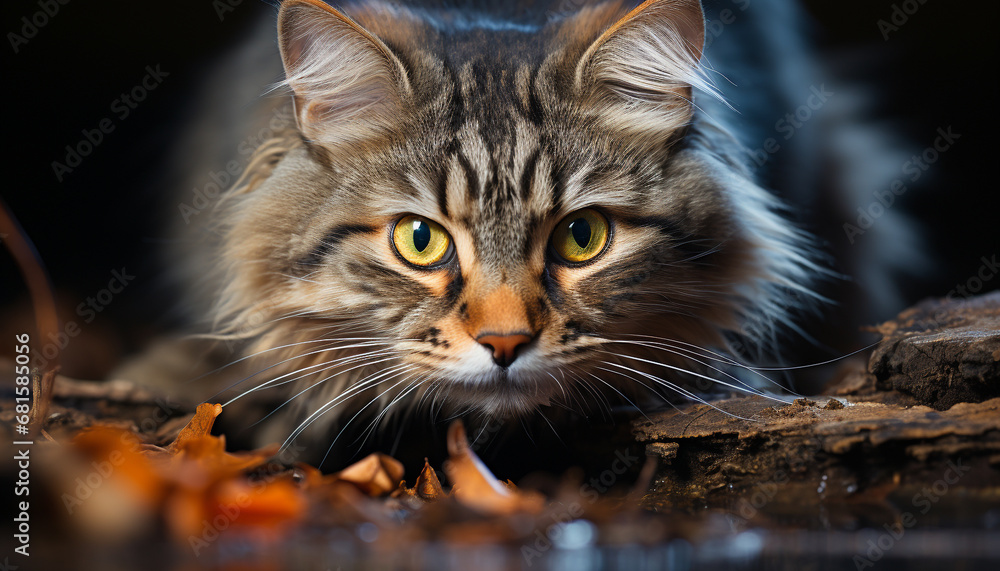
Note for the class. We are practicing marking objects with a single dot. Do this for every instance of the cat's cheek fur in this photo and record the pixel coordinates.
(497, 137)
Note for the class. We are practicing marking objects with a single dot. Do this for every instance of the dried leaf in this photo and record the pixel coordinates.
(402, 492)
(119, 453)
(311, 477)
(200, 488)
(209, 453)
(265, 507)
(375, 475)
(260, 504)
(200, 425)
(428, 486)
(475, 486)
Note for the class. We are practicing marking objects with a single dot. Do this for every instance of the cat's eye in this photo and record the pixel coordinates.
(420, 241)
(581, 236)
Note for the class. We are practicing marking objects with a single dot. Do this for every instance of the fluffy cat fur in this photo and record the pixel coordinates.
(495, 125)
(402, 111)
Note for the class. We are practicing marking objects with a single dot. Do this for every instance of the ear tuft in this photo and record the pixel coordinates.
(638, 76)
(348, 85)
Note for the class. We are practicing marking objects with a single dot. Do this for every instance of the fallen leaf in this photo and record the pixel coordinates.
(476, 487)
(402, 492)
(209, 455)
(270, 504)
(310, 477)
(200, 425)
(376, 475)
(117, 455)
(428, 486)
(199, 488)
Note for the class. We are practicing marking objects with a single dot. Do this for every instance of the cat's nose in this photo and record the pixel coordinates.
(503, 347)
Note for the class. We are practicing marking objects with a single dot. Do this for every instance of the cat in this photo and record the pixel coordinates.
(496, 212)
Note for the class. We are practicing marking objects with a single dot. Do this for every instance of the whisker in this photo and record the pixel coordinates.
(677, 351)
(553, 428)
(353, 418)
(332, 403)
(558, 384)
(296, 344)
(699, 375)
(621, 394)
(261, 386)
(318, 383)
(680, 391)
(415, 384)
(339, 362)
(735, 363)
(250, 332)
(598, 397)
(649, 388)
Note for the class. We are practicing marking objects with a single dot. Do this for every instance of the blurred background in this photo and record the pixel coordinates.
(931, 65)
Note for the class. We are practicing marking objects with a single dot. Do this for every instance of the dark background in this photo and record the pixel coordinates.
(939, 69)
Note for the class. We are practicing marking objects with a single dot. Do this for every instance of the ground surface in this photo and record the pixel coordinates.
(897, 465)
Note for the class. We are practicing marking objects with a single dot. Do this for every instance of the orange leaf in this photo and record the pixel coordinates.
(402, 492)
(311, 477)
(209, 453)
(272, 505)
(428, 486)
(377, 474)
(475, 486)
(117, 455)
(200, 425)
(262, 507)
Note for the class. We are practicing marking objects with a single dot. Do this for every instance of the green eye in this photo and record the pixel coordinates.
(420, 241)
(581, 236)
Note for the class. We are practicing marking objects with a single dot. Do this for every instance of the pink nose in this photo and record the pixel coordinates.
(504, 347)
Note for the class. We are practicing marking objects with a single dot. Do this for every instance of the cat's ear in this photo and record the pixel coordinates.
(638, 75)
(348, 85)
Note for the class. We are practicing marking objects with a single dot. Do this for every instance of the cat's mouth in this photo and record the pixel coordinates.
(507, 391)
(504, 396)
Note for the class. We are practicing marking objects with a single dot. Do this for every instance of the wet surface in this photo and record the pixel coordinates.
(877, 473)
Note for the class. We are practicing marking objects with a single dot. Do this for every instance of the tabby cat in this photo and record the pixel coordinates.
(480, 215)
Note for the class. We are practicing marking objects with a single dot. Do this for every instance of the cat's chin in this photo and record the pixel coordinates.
(500, 394)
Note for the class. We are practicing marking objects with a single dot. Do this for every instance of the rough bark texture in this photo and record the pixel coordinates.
(942, 353)
(922, 421)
